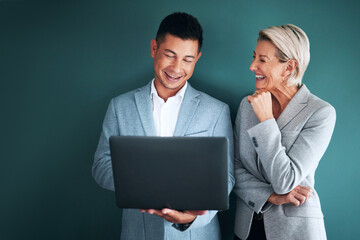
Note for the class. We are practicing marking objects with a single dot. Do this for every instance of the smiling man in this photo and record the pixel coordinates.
(174, 63)
(167, 106)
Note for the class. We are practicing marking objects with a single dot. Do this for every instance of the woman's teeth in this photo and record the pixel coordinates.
(259, 77)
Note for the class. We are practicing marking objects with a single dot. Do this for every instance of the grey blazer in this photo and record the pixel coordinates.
(276, 156)
(131, 114)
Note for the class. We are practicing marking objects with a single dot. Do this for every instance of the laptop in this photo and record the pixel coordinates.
(182, 173)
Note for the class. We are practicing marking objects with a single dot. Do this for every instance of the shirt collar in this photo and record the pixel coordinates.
(180, 93)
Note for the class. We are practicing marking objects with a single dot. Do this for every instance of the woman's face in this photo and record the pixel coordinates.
(269, 71)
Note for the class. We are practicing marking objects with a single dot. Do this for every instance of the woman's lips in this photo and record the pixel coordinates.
(260, 77)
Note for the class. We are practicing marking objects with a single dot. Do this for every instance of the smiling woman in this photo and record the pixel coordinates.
(289, 45)
(281, 133)
(269, 71)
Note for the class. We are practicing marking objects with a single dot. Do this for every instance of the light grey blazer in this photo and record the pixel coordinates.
(131, 114)
(276, 156)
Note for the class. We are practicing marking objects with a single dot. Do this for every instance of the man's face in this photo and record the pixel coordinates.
(174, 63)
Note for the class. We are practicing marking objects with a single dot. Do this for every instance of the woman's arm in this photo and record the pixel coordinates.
(297, 196)
(287, 168)
(252, 190)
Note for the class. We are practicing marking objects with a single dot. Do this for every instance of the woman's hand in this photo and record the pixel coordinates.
(297, 196)
(262, 104)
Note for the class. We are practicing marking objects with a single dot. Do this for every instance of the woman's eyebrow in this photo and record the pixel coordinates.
(265, 56)
(261, 55)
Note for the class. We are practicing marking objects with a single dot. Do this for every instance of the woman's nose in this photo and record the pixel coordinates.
(252, 66)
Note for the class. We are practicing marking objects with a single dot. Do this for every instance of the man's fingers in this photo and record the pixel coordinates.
(156, 212)
(150, 211)
(174, 216)
(196, 212)
(170, 212)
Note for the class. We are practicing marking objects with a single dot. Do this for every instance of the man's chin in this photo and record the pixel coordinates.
(173, 86)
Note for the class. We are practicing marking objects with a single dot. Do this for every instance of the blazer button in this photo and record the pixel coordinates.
(251, 203)
(255, 141)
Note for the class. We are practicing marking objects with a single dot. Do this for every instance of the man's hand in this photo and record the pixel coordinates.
(262, 104)
(174, 216)
(297, 196)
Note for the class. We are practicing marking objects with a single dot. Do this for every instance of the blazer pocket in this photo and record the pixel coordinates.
(308, 211)
(288, 138)
(198, 134)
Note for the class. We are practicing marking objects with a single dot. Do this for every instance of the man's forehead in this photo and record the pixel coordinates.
(178, 45)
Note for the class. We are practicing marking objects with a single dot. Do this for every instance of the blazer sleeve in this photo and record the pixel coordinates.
(223, 128)
(252, 190)
(102, 168)
(287, 168)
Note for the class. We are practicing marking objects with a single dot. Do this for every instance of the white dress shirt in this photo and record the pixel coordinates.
(166, 113)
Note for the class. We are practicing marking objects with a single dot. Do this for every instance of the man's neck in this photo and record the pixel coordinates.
(164, 92)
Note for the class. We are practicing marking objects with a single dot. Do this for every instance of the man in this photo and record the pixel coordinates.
(167, 106)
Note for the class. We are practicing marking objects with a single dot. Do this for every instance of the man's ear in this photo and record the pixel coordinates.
(198, 56)
(153, 47)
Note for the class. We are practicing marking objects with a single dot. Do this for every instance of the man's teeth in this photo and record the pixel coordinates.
(171, 76)
(259, 77)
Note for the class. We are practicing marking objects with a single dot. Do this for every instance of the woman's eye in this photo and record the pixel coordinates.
(168, 56)
(261, 60)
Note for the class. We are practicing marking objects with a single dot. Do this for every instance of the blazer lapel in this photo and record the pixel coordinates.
(295, 106)
(187, 110)
(144, 107)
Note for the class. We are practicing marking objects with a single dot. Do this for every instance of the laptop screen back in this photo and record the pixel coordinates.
(183, 173)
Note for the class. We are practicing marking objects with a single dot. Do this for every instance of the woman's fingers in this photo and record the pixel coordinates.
(261, 103)
(300, 195)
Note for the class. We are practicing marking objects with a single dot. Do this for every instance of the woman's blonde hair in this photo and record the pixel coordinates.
(291, 43)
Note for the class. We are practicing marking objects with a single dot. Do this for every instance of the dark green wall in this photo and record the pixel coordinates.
(60, 64)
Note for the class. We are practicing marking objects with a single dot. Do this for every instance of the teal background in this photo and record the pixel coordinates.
(62, 62)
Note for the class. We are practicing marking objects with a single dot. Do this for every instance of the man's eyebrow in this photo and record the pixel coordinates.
(172, 52)
(168, 50)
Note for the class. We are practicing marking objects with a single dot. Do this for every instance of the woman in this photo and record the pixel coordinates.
(281, 133)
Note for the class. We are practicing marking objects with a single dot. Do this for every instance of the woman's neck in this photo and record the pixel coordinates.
(281, 96)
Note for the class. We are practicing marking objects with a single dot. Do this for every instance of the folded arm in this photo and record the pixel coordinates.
(287, 168)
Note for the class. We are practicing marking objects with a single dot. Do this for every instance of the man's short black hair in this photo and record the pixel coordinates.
(181, 25)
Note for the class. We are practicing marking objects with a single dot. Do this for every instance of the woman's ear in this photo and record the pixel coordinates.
(290, 67)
